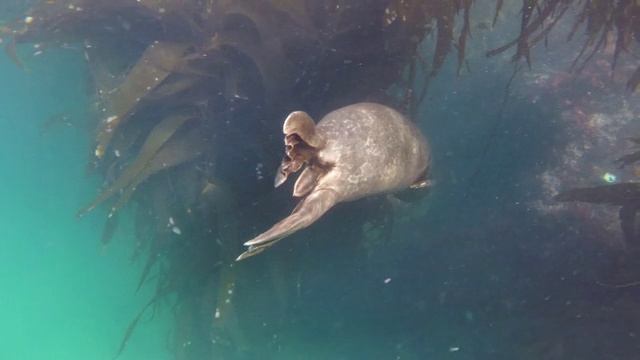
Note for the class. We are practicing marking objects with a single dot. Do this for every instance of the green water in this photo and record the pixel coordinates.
(61, 296)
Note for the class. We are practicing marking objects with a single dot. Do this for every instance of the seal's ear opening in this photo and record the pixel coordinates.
(301, 124)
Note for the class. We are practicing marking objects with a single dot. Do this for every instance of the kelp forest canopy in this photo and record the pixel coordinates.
(190, 96)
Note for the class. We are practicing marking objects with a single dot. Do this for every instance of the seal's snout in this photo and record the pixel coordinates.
(338, 147)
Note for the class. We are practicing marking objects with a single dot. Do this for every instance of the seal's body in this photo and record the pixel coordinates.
(353, 152)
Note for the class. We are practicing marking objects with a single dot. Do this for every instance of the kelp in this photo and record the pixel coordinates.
(110, 227)
(418, 17)
(224, 317)
(132, 326)
(529, 24)
(177, 151)
(158, 245)
(444, 42)
(625, 195)
(379, 223)
(598, 17)
(297, 11)
(441, 15)
(125, 143)
(634, 82)
(64, 19)
(175, 85)
(269, 60)
(499, 5)
(627, 216)
(142, 231)
(630, 158)
(165, 287)
(152, 220)
(135, 172)
(13, 55)
(613, 194)
(465, 33)
(158, 61)
(59, 23)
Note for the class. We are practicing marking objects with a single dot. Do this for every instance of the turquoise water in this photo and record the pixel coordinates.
(61, 297)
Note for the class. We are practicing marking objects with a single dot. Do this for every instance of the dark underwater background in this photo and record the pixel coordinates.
(488, 266)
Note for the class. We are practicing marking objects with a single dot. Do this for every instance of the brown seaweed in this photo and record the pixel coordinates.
(268, 58)
(464, 34)
(634, 81)
(161, 292)
(142, 232)
(177, 151)
(635, 140)
(499, 5)
(227, 219)
(175, 85)
(630, 158)
(527, 28)
(627, 216)
(601, 17)
(133, 173)
(444, 41)
(124, 143)
(131, 328)
(110, 227)
(13, 55)
(613, 194)
(158, 61)
(225, 318)
(626, 195)
(297, 11)
(153, 255)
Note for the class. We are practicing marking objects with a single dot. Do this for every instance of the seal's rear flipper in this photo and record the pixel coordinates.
(254, 250)
(306, 213)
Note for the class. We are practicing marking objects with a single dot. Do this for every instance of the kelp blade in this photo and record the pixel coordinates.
(615, 194)
(159, 60)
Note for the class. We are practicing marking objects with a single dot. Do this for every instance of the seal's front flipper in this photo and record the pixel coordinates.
(421, 184)
(416, 192)
(301, 124)
(306, 213)
(306, 181)
(301, 142)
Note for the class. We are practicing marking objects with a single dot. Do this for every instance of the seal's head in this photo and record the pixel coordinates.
(353, 152)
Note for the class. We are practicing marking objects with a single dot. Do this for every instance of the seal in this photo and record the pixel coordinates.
(353, 152)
